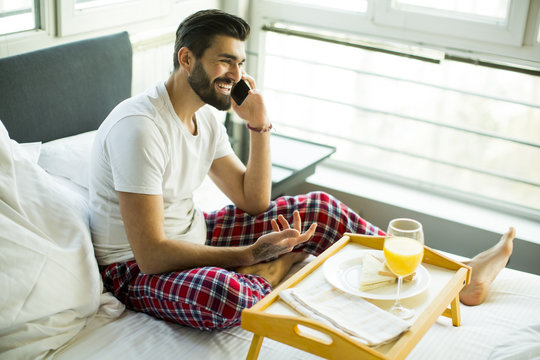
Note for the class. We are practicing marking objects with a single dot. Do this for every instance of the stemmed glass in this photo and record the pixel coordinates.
(403, 251)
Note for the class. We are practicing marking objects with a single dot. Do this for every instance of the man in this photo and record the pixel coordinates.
(158, 253)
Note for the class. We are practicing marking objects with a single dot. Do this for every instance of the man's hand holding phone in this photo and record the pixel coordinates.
(248, 103)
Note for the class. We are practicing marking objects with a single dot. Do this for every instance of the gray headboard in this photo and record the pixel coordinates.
(64, 90)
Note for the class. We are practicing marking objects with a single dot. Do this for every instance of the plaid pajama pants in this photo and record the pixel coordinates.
(213, 298)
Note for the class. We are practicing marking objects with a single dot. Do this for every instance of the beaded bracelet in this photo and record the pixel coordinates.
(259, 130)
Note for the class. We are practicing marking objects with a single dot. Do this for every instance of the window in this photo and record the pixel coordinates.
(410, 112)
(350, 5)
(80, 16)
(495, 21)
(18, 15)
(88, 4)
(480, 10)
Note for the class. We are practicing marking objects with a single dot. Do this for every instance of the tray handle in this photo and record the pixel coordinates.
(309, 335)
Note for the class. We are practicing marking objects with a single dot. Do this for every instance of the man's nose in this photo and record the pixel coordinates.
(235, 73)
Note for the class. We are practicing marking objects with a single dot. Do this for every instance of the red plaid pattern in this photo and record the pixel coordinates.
(206, 298)
(213, 298)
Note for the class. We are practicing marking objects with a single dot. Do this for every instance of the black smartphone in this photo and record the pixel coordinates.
(240, 91)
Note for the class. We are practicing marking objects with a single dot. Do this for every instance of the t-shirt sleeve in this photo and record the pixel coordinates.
(136, 151)
(223, 145)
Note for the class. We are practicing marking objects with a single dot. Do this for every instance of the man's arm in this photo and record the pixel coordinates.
(155, 253)
(249, 187)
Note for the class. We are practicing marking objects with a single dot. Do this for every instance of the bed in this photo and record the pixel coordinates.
(52, 304)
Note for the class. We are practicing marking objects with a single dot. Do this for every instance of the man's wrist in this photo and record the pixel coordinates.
(260, 130)
(248, 258)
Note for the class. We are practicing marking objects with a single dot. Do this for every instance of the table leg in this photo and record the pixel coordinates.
(255, 347)
(454, 312)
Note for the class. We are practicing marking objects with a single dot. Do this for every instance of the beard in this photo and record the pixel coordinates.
(201, 84)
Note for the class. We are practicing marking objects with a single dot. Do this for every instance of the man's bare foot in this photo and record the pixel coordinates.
(485, 267)
(274, 270)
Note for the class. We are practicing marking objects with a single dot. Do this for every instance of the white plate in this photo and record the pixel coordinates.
(344, 271)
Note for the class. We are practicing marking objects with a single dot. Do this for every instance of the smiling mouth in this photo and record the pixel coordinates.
(224, 87)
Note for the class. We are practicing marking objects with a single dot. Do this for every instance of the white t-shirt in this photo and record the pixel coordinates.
(143, 147)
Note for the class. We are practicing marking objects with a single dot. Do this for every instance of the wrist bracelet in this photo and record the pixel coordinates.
(260, 130)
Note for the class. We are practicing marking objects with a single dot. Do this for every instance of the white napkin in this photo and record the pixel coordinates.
(350, 314)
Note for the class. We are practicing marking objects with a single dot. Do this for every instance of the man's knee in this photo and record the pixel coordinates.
(229, 294)
(233, 292)
(322, 197)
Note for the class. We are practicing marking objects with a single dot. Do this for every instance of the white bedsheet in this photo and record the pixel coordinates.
(514, 302)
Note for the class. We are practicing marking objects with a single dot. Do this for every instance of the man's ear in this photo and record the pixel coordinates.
(185, 59)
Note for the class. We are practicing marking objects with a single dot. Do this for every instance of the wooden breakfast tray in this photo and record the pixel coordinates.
(272, 318)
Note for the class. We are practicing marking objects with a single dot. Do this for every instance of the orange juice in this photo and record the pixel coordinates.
(403, 255)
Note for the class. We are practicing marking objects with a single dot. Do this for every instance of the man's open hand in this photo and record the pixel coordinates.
(281, 241)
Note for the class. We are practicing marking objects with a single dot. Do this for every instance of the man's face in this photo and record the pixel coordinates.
(215, 73)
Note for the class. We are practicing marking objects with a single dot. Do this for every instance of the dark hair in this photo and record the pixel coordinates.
(197, 31)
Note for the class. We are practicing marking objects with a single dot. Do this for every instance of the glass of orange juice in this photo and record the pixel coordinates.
(403, 251)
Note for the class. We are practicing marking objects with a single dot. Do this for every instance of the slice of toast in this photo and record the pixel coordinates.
(375, 273)
(371, 279)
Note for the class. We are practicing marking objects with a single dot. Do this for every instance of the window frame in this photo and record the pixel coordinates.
(510, 33)
(49, 35)
(516, 42)
(36, 15)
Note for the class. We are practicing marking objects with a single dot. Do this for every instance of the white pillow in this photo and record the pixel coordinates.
(49, 278)
(69, 157)
(32, 150)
